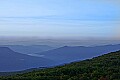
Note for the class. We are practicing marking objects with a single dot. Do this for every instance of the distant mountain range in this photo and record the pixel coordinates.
(30, 49)
(14, 61)
(68, 54)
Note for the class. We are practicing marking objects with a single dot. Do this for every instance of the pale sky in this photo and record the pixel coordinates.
(60, 18)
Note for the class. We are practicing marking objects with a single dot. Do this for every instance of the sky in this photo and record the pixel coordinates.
(75, 19)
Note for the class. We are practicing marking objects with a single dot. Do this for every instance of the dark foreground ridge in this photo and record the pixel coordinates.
(105, 67)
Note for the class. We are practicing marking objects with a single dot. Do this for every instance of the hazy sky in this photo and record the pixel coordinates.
(60, 18)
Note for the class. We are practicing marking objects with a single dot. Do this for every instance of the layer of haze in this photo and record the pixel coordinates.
(75, 19)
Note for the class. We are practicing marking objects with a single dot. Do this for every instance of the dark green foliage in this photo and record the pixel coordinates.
(106, 67)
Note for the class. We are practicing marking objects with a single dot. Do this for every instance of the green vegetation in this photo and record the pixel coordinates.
(105, 67)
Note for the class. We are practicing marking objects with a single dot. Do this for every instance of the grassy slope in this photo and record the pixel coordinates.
(105, 67)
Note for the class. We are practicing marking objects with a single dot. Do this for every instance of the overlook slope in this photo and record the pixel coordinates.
(105, 67)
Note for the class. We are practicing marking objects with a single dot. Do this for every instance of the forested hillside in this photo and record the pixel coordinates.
(105, 67)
